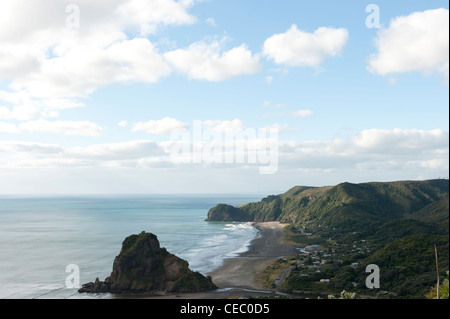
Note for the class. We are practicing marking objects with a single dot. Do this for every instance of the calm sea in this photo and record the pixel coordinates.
(41, 236)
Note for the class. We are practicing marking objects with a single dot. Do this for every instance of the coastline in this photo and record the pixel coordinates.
(236, 277)
(239, 272)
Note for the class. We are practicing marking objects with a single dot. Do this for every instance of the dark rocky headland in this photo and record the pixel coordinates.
(142, 266)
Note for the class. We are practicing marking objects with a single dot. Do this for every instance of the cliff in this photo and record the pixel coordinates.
(142, 266)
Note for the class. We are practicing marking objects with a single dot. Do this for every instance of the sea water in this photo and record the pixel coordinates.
(41, 236)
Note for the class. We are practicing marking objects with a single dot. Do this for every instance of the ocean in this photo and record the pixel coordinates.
(45, 241)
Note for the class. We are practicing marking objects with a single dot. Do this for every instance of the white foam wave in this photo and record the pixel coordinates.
(230, 241)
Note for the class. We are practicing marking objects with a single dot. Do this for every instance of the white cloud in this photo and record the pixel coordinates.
(269, 79)
(80, 128)
(206, 61)
(123, 123)
(280, 128)
(42, 155)
(435, 164)
(21, 112)
(18, 60)
(28, 149)
(82, 69)
(164, 126)
(303, 113)
(299, 48)
(36, 20)
(54, 65)
(51, 66)
(148, 14)
(372, 146)
(401, 140)
(60, 104)
(34, 34)
(418, 42)
(224, 126)
(116, 151)
(23, 107)
(8, 127)
(375, 153)
(211, 22)
(270, 104)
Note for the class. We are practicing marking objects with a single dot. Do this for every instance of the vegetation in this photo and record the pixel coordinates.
(408, 265)
(223, 212)
(344, 208)
(344, 295)
(443, 290)
(392, 225)
(142, 266)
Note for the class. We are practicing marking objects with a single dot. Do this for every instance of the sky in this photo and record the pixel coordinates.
(220, 96)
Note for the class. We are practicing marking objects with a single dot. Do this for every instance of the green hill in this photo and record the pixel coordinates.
(398, 229)
(407, 266)
(344, 208)
(394, 225)
(436, 213)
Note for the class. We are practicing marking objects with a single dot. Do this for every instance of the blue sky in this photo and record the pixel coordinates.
(92, 94)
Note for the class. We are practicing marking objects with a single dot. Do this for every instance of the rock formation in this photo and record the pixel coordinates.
(142, 266)
(227, 213)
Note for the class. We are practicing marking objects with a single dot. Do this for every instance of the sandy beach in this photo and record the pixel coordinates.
(236, 277)
(239, 272)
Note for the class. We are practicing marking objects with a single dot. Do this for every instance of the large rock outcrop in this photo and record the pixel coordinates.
(142, 266)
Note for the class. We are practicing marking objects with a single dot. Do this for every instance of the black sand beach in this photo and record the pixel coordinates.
(236, 277)
(239, 272)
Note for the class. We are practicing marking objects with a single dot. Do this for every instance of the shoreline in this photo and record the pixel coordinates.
(239, 272)
(236, 276)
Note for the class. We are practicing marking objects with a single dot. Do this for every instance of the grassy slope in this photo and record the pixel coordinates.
(347, 207)
(407, 266)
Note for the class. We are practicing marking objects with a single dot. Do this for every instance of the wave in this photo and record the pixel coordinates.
(229, 242)
(41, 236)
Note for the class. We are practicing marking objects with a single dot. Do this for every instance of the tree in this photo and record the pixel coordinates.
(443, 290)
